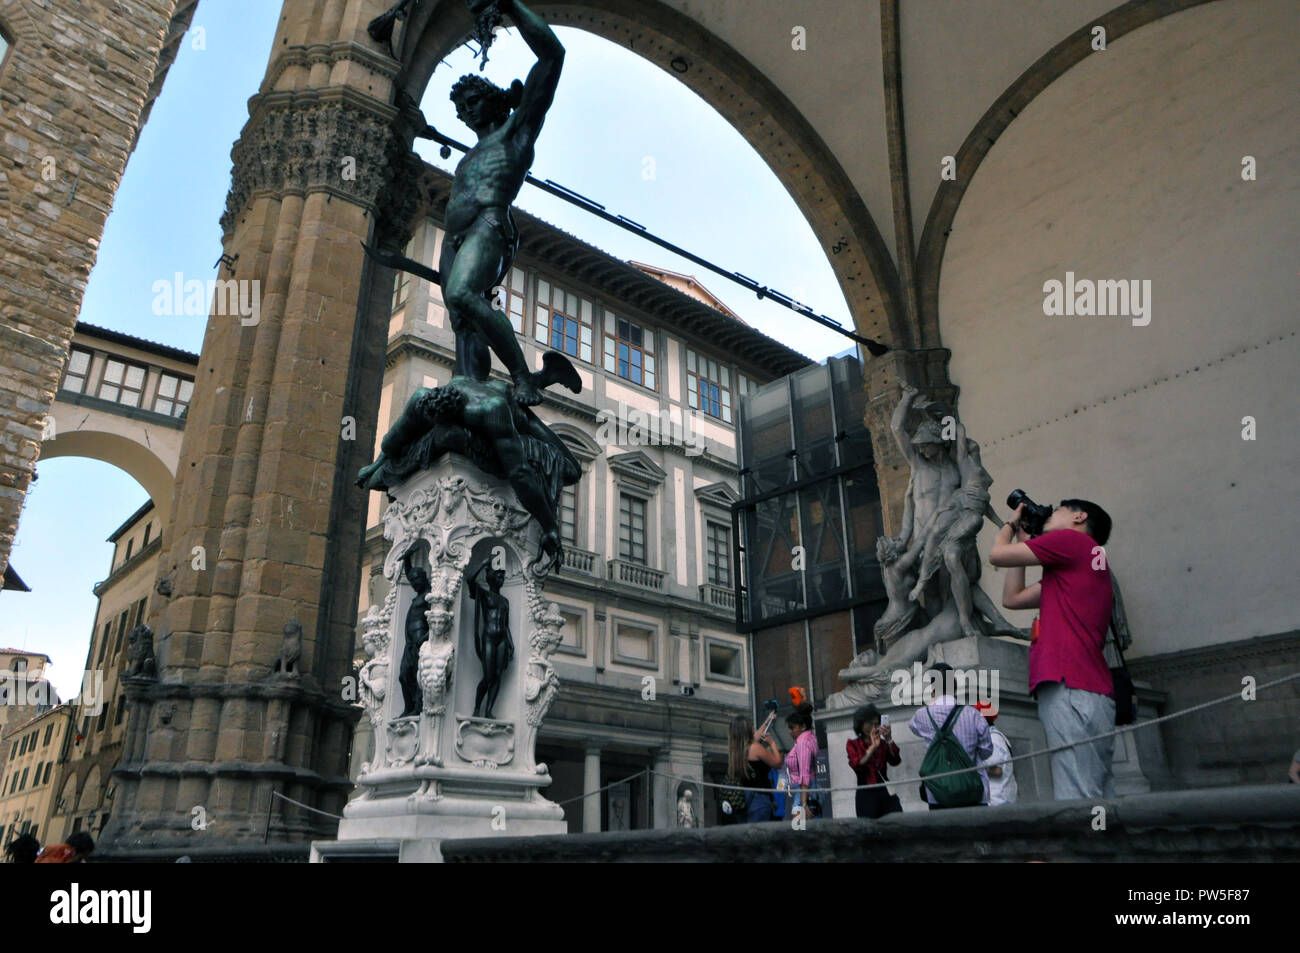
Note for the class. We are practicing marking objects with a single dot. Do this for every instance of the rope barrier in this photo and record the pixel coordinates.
(306, 806)
(883, 784)
(630, 777)
(1019, 757)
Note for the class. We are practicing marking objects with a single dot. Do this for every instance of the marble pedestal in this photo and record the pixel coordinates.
(999, 667)
(443, 773)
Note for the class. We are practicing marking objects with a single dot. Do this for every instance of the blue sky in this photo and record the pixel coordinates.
(710, 193)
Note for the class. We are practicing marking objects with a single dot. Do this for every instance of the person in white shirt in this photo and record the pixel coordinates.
(1000, 770)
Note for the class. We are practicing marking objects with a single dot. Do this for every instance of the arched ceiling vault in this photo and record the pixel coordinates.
(858, 125)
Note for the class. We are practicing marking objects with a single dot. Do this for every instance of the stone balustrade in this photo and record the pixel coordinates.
(635, 575)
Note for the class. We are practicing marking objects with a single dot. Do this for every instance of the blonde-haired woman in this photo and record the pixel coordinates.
(750, 756)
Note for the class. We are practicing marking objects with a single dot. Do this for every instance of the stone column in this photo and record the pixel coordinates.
(267, 526)
(591, 784)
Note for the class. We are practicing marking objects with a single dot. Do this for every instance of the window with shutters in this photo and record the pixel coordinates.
(708, 386)
(630, 351)
(74, 379)
(508, 298)
(717, 545)
(122, 383)
(569, 515)
(173, 397)
(631, 529)
(563, 321)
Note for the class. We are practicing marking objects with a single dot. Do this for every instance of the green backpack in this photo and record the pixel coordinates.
(947, 754)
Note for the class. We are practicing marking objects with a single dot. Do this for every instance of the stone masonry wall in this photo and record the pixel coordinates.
(76, 80)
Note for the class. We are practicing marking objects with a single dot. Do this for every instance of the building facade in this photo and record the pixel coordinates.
(69, 787)
(94, 747)
(25, 692)
(652, 668)
(27, 781)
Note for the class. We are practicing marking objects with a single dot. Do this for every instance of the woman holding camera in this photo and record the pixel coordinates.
(871, 748)
(750, 756)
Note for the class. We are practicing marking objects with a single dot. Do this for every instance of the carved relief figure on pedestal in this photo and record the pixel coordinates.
(540, 682)
(492, 642)
(417, 631)
(372, 680)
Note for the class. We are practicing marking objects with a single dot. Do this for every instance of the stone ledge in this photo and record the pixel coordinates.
(1257, 823)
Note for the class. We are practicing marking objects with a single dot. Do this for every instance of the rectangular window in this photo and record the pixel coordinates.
(509, 298)
(564, 321)
(708, 386)
(631, 529)
(121, 710)
(49, 733)
(634, 643)
(569, 515)
(102, 720)
(630, 351)
(148, 528)
(571, 634)
(717, 545)
(36, 775)
(78, 365)
(173, 397)
(117, 644)
(123, 383)
(48, 768)
(402, 281)
(130, 545)
(103, 641)
(22, 782)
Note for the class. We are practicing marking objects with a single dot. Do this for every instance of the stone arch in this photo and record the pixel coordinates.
(744, 97)
(979, 142)
(126, 451)
(67, 796)
(89, 797)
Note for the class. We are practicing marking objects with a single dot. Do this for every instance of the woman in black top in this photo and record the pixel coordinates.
(750, 756)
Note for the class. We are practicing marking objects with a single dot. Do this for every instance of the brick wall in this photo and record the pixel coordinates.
(74, 85)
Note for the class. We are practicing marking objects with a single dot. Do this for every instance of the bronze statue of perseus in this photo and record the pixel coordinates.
(487, 420)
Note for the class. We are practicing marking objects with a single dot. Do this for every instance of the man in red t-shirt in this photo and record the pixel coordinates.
(1068, 673)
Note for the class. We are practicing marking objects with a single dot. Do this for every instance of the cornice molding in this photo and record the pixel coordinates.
(329, 54)
(335, 140)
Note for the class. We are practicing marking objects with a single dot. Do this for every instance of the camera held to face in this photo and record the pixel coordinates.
(1034, 515)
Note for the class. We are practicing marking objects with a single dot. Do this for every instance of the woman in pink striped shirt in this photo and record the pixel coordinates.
(801, 761)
